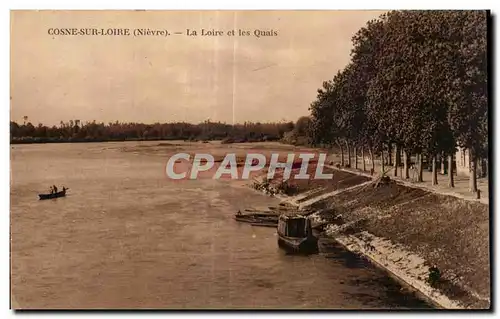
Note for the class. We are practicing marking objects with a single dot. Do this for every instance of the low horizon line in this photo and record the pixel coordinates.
(175, 122)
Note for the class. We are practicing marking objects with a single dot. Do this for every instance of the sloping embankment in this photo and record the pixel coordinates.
(407, 230)
(309, 190)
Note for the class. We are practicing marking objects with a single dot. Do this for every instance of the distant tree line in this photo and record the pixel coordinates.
(75, 131)
(416, 85)
(299, 134)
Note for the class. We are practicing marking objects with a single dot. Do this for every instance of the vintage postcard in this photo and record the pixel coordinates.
(249, 160)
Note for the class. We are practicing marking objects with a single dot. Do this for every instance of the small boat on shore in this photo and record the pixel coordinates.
(53, 195)
(257, 219)
(295, 234)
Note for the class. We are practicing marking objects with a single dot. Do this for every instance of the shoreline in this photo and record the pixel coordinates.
(97, 140)
(401, 263)
(357, 250)
(433, 296)
(23, 142)
(421, 185)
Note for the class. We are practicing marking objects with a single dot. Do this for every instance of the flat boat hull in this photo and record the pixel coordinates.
(298, 245)
(50, 196)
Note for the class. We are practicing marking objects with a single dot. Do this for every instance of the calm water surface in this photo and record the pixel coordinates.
(126, 237)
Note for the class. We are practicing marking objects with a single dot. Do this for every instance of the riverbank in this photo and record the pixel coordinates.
(51, 140)
(406, 230)
(461, 182)
(43, 140)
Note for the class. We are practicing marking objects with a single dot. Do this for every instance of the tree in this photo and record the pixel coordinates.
(469, 94)
(302, 125)
(367, 42)
(416, 83)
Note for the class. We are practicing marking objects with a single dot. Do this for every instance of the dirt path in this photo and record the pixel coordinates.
(461, 189)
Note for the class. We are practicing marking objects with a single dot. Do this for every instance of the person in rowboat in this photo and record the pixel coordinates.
(51, 190)
(55, 188)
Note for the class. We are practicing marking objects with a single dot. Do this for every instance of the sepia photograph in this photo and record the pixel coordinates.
(250, 160)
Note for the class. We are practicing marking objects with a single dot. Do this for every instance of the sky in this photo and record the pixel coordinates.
(151, 79)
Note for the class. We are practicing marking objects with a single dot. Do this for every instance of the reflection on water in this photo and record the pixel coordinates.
(126, 237)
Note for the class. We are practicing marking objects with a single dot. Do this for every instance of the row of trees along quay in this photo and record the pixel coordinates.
(416, 85)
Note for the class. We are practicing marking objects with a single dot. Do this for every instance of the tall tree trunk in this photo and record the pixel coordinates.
(406, 166)
(400, 154)
(389, 154)
(472, 172)
(348, 155)
(484, 168)
(420, 168)
(363, 156)
(434, 171)
(451, 182)
(382, 167)
(341, 155)
(372, 158)
(396, 160)
(355, 157)
(443, 164)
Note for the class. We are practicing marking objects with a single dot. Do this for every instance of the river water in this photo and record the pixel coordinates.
(127, 237)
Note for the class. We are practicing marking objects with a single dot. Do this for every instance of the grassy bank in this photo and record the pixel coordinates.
(445, 231)
(306, 189)
(407, 230)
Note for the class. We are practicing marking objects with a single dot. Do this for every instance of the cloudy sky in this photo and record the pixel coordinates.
(179, 77)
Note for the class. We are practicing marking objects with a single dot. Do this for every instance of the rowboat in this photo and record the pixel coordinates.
(295, 234)
(53, 195)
